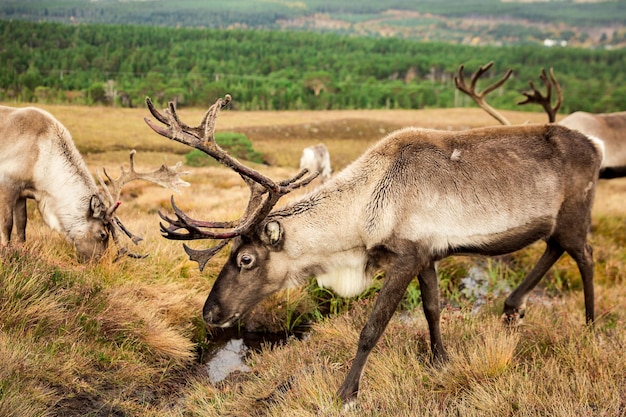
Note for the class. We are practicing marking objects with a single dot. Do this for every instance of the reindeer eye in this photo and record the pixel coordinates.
(246, 260)
(103, 235)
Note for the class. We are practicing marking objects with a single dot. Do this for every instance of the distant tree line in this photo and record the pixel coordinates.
(274, 70)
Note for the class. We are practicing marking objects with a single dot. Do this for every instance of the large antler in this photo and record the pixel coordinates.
(264, 192)
(535, 96)
(164, 176)
(479, 98)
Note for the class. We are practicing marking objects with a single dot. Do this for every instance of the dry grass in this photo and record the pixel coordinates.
(119, 338)
(541, 369)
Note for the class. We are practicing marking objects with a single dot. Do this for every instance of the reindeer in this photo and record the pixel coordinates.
(610, 128)
(316, 159)
(414, 198)
(38, 160)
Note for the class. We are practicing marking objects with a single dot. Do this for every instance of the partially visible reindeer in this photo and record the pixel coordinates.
(414, 198)
(316, 159)
(610, 128)
(38, 160)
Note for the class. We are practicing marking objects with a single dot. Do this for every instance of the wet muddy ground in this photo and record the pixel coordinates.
(229, 348)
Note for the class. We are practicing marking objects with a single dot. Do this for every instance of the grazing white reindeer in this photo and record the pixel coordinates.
(412, 199)
(316, 159)
(39, 160)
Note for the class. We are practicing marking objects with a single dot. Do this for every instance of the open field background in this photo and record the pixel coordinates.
(124, 338)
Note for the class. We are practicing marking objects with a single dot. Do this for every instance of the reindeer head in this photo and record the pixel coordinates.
(91, 241)
(255, 237)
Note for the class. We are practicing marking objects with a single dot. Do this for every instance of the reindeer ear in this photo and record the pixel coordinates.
(96, 207)
(272, 233)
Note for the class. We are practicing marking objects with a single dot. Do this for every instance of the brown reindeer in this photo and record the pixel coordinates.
(415, 197)
(38, 160)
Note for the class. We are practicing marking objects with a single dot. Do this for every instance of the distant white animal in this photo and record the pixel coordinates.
(316, 159)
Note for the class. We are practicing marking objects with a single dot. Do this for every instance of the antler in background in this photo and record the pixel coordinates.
(479, 98)
(535, 96)
(164, 176)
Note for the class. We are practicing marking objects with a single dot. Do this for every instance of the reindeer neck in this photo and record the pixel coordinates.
(63, 185)
(327, 215)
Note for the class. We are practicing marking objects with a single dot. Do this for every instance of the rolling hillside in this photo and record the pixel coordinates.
(476, 22)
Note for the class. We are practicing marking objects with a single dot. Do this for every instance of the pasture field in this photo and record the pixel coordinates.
(124, 338)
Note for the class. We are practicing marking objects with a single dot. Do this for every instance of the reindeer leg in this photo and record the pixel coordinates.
(399, 273)
(19, 215)
(583, 256)
(6, 217)
(515, 304)
(585, 263)
(429, 287)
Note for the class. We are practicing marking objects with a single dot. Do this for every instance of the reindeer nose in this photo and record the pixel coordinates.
(211, 313)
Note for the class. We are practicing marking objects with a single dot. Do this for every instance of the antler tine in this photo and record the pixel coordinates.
(210, 118)
(193, 227)
(122, 251)
(134, 238)
(535, 96)
(205, 255)
(479, 98)
(170, 112)
(183, 219)
(157, 114)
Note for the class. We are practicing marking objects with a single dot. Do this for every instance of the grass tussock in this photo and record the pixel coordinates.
(485, 356)
(124, 338)
(71, 341)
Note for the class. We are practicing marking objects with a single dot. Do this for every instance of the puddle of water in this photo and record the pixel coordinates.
(227, 360)
(230, 348)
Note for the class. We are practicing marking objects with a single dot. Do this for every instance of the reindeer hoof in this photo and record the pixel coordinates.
(348, 397)
(513, 318)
